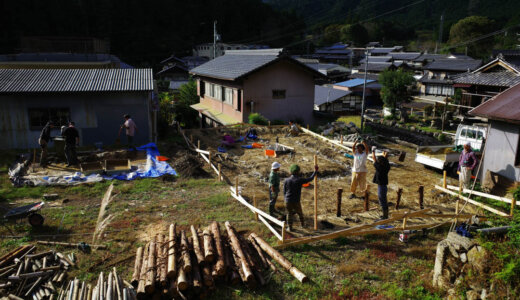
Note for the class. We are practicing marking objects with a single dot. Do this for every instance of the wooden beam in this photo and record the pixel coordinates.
(202, 151)
(488, 208)
(280, 237)
(254, 209)
(490, 196)
(347, 231)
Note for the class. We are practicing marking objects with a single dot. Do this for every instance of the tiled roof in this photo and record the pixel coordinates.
(75, 80)
(323, 94)
(374, 67)
(504, 106)
(456, 65)
(430, 57)
(362, 76)
(404, 55)
(376, 59)
(503, 79)
(238, 63)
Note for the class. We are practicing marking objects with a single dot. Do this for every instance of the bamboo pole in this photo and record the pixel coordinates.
(280, 258)
(315, 195)
(172, 252)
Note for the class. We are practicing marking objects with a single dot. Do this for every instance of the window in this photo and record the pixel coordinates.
(228, 96)
(38, 117)
(202, 88)
(209, 89)
(463, 133)
(217, 92)
(278, 94)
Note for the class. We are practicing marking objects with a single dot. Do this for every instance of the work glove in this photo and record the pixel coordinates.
(374, 148)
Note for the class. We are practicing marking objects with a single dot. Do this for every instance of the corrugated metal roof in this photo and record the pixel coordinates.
(504, 106)
(353, 82)
(75, 80)
(323, 94)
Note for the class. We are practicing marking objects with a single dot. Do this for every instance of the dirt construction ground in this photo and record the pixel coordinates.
(252, 168)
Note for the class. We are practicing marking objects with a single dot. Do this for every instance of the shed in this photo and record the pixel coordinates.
(328, 99)
(502, 149)
(95, 99)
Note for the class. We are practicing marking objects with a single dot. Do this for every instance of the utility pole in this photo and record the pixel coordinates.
(214, 39)
(439, 42)
(364, 91)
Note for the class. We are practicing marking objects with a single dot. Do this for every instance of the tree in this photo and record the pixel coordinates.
(184, 114)
(355, 33)
(331, 34)
(396, 88)
(470, 28)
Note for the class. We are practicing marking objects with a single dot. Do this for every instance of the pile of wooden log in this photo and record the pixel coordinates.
(183, 266)
(107, 287)
(25, 274)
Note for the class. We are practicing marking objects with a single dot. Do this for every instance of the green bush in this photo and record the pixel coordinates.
(257, 119)
(442, 138)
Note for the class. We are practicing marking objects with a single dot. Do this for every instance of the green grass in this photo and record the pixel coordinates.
(347, 119)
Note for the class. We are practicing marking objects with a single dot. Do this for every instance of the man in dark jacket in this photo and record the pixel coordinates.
(382, 167)
(43, 141)
(292, 191)
(71, 136)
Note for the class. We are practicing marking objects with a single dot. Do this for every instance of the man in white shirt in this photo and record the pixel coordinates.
(131, 128)
(359, 168)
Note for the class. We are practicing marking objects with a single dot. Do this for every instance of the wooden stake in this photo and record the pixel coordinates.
(398, 201)
(283, 232)
(219, 172)
(255, 205)
(421, 196)
(209, 157)
(341, 139)
(404, 223)
(315, 195)
(444, 184)
(338, 202)
(307, 126)
(191, 138)
(367, 203)
(513, 204)
(198, 144)
(34, 156)
(236, 186)
(402, 156)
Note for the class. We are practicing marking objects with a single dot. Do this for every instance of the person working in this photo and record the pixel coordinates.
(382, 167)
(467, 162)
(43, 141)
(71, 136)
(131, 128)
(359, 168)
(274, 186)
(293, 129)
(292, 191)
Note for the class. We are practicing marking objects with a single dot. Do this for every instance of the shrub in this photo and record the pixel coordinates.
(257, 119)
(442, 138)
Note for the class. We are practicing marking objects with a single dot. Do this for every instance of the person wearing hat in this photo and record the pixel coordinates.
(71, 135)
(467, 162)
(274, 186)
(292, 191)
(43, 141)
(359, 168)
(131, 128)
(382, 167)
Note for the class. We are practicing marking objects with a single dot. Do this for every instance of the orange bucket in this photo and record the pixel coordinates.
(256, 145)
(270, 152)
(306, 184)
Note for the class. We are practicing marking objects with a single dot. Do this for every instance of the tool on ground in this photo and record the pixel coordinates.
(29, 211)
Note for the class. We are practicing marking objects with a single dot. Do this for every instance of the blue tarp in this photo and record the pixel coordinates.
(153, 168)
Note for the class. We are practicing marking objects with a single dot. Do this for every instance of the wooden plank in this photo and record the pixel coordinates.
(503, 199)
(488, 208)
(285, 146)
(254, 209)
(202, 151)
(343, 232)
(271, 228)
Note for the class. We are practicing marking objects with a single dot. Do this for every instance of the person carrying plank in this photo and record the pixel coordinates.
(292, 191)
(359, 168)
(382, 167)
(274, 186)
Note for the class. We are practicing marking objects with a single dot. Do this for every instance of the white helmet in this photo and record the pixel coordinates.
(275, 165)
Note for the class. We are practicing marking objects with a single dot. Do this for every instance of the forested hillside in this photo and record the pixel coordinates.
(143, 32)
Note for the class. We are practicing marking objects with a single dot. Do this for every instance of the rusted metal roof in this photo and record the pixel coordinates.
(75, 80)
(504, 106)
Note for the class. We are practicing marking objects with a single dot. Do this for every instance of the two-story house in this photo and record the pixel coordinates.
(242, 82)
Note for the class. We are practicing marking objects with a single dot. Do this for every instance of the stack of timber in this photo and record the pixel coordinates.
(192, 263)
(109, 286)
(25, 274)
